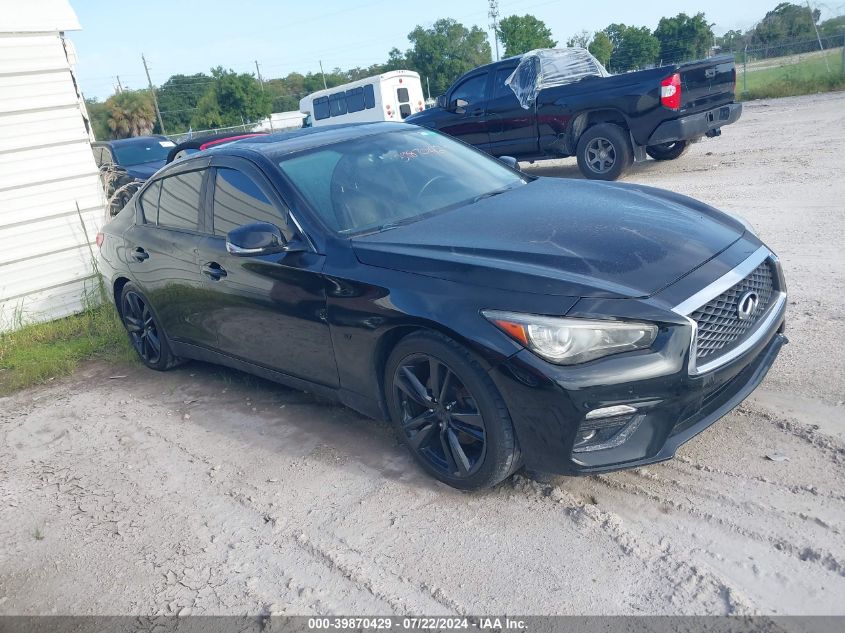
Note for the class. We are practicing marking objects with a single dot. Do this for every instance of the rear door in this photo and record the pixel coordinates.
(512, 128)
(162, 251)
(268, 310)
(707, 84)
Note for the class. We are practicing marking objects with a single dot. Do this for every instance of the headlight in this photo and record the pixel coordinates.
(569, 341)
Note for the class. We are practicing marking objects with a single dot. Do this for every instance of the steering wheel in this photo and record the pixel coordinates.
(430, 182)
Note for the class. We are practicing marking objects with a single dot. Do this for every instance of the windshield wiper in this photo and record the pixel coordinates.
(495, 192)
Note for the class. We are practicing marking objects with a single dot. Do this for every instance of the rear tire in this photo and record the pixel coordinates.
(447, 411)
(145, 335)
(668, 151)
(604, 152)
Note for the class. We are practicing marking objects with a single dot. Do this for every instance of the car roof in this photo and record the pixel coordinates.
(282, 143)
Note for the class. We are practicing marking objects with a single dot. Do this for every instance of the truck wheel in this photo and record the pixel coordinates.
(604, 152)
(668, 151)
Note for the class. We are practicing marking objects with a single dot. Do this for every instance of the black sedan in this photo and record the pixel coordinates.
(495, 318)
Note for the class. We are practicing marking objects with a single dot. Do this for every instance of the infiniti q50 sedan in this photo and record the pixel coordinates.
(496, 319)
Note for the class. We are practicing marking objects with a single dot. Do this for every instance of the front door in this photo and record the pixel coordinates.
(268, 310)
(470, 125)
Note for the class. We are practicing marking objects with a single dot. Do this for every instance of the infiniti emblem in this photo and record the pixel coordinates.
(747, 305)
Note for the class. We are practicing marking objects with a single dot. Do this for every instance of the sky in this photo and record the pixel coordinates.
(190, 36)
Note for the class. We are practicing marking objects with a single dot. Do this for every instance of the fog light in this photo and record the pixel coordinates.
(586, 436)
(597, 435)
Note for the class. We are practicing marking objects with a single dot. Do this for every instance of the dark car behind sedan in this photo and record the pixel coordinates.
(495, 318)
(128, 162)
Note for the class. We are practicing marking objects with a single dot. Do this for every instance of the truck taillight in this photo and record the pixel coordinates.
(670, 92)
(100, 238)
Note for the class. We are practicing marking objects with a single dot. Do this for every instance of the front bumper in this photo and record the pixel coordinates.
(695, 125)
(548, 403)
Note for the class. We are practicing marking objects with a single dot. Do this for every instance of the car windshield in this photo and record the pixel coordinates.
(142, 150)
(374, 182)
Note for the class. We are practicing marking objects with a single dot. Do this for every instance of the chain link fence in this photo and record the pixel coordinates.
(794, 67)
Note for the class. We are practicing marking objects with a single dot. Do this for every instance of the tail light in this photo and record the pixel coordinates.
(100, 238)
(670, 92)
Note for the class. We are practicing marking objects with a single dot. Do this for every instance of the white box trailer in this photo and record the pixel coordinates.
(392, 96)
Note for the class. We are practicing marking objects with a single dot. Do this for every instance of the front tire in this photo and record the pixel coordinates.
(668, 151)
(448, 412)
(145, 334)
(604, 152)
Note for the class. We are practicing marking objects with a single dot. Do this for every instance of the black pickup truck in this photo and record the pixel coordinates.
(607, 121)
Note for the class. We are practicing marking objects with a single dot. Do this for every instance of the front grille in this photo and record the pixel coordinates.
(719, 327)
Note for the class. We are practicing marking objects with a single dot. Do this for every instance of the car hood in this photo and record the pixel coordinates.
(560, 237)
(144, 170)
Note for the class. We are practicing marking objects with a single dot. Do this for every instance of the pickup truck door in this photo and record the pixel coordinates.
(513, 129)
(471, 124)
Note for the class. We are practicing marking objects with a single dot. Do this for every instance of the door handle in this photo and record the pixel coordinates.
(139, 254)
(214, 270)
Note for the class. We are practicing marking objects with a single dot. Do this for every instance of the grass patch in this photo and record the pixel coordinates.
(36, 353)
(807, 76)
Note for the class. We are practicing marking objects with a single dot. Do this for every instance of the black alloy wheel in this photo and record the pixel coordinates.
(439, 416)
(145, 335)
(448, 412)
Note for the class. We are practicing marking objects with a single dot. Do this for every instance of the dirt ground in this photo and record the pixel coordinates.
(202, 491)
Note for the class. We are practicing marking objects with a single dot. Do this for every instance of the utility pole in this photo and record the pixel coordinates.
(119, 85)
(818, 37)
(325, 85)
(260, 80)
(153, 93)
(494, 24)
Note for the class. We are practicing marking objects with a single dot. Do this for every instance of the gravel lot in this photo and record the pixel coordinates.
(123, 490)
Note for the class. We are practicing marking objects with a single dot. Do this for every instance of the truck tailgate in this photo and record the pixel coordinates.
(707, 83)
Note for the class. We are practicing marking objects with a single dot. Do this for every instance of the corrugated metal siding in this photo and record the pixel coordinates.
(46, 170)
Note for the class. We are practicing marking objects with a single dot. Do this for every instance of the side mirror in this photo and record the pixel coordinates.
(460, 105)
(511, 162)
(259, 238)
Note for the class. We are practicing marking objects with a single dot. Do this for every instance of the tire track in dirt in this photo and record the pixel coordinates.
(691, 583)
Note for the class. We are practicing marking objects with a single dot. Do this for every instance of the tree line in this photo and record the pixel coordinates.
(440, 53)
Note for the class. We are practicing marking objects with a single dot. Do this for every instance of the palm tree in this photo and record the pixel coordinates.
(130, 113)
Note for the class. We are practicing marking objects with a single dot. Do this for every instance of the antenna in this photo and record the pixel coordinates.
(494, 23)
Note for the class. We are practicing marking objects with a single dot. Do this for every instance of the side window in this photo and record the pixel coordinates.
(369, 97)
(149, 202)
(500, 89)
(471, 90)
(337, 103)
(321, 108)
(238, 200)
(355, 100)
(102, 155)
(179, 203)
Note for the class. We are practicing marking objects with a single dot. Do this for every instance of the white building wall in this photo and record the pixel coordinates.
(46, 171)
